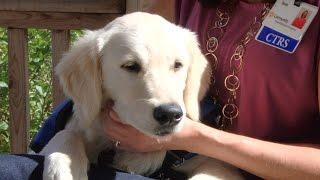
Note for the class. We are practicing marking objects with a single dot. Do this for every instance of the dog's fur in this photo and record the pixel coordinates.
(93, 72)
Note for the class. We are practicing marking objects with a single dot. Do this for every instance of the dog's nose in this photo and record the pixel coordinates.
(168, 113)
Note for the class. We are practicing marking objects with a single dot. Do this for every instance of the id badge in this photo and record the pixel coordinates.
(286, 23)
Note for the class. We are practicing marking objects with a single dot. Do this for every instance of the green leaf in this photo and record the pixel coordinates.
(3, 84)
(3, 126)
(40, 90)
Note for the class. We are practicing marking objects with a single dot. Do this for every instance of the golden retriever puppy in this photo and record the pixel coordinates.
(156, 75)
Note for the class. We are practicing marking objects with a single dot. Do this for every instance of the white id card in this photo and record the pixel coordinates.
(285, 25)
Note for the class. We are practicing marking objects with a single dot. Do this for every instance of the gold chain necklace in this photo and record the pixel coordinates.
(230, 110)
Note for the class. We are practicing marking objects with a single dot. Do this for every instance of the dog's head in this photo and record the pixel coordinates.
(152, 69)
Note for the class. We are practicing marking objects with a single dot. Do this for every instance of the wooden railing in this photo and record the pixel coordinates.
(59, 16)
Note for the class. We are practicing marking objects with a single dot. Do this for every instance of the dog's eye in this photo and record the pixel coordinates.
(131, 66)
(177, 65)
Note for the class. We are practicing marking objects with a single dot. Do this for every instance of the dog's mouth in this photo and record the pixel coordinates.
(165, 130)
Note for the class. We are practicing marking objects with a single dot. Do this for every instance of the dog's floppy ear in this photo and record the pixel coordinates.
(198, 79)
(79, 73)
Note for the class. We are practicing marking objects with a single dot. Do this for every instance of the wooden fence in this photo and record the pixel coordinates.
(59, 16)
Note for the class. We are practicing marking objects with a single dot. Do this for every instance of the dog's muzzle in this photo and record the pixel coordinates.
(168, 114)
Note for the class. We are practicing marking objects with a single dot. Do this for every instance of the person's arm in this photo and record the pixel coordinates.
(265, 159)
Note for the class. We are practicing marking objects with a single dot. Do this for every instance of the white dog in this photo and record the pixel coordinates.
(156, 75)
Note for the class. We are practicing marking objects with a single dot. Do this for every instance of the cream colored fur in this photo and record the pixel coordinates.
(91, 73)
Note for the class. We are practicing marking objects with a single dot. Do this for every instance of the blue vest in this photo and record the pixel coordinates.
(60, 116)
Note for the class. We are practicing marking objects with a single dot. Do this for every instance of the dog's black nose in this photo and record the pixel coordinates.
(168, 113)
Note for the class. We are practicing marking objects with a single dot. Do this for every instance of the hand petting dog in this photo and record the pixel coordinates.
(135, 141)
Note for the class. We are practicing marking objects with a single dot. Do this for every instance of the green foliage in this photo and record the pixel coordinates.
(4, 100)
(40, 93)
(40, 82)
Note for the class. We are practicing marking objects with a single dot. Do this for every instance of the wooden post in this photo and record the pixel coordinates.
(133, 5)
(18, 90)
(60, 44)
(164, 8)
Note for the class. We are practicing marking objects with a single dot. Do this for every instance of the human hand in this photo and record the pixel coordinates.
(133, 140)
(130, 138)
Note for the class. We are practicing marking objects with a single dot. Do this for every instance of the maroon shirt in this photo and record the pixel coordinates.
(278, 98)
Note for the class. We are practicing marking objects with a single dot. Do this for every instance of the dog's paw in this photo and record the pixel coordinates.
(139, 163)
(215, 177)
(58, 166)
(213, 169)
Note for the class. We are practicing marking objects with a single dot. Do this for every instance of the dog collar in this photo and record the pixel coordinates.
(172, 160)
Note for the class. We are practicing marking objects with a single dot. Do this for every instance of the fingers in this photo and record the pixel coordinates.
(115, 125)
(116, 130)
(130, 138)
(113, 128)
(114, 116)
